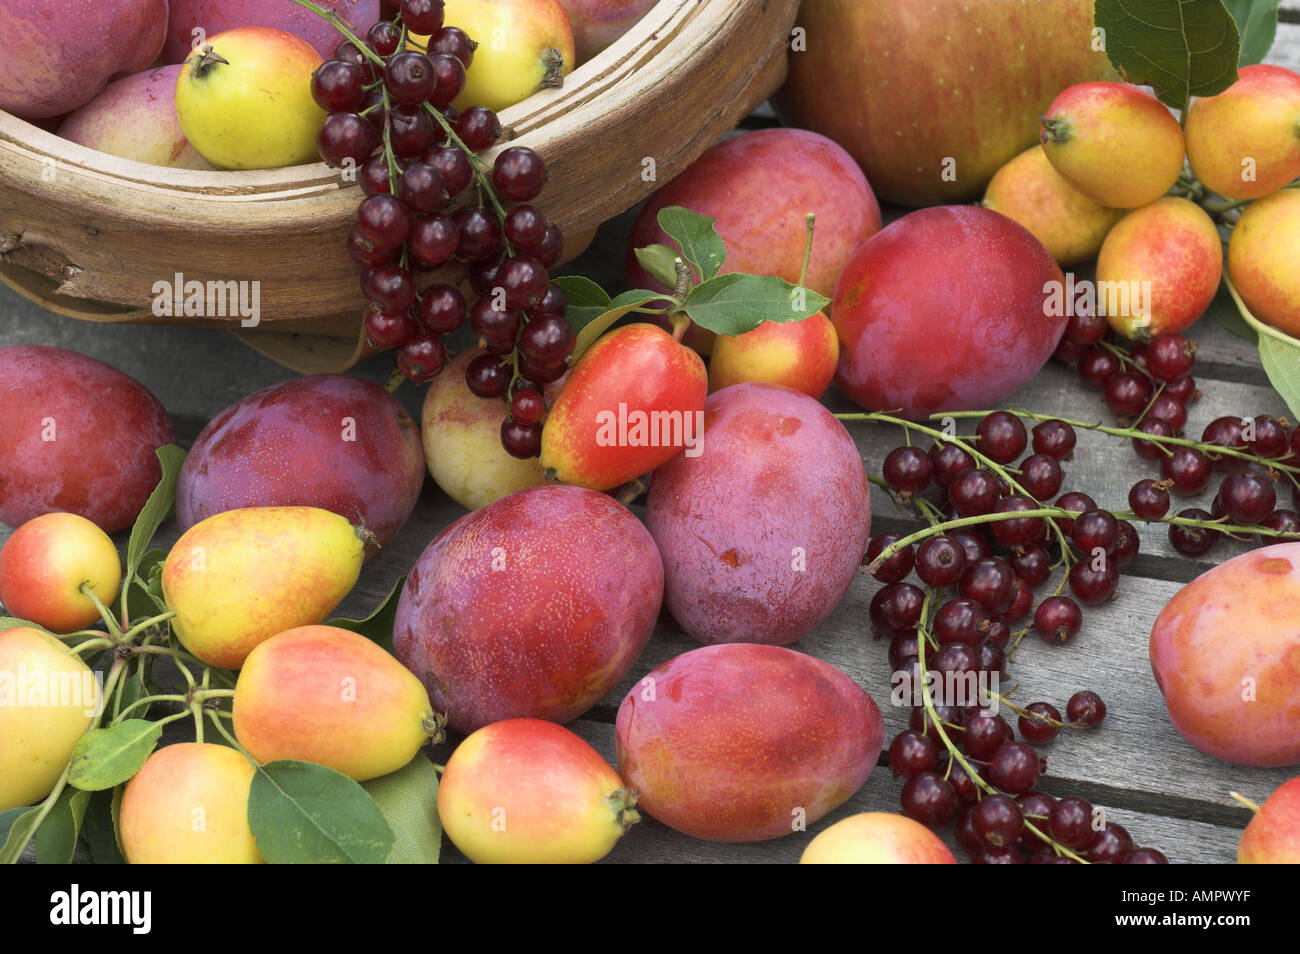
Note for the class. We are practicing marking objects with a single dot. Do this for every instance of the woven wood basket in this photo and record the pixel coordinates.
(88, 235)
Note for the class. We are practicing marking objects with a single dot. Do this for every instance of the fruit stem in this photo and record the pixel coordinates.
(337, 22)
(1254, 807)
(206, 61)
(553, 63)
(101, 642)
(1055, 130)
(105, 613)
(435, 727)
(234, 743)
(809, 219)
(147, 701)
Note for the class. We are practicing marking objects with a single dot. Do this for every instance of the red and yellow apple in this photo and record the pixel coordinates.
(44, 564)
(523, 46)
(798, 354)
(1262, 253)
(1273, 835)
(877, 838)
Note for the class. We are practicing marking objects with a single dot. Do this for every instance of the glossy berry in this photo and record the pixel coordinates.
(1247, 497)
(479, 127)
(1097, 366)
(1281, 521)
(985, 734)
(912, 753)
(1189, 470)
(385, 329)
(421, 358)
(1093, 529)
(408, 78)
(1037, 809)
(1152, 450)
(388, 286)
(999, 821)
(1184, 389)
(973, 492)
(554, 302)
(897, 566)
(901, 606)
(365, 253)
(524, 225)
(907, 470)
(346, 137)
(989, 582)
(1145, 856)
(422, 17)
(1016, 531)
(1226, 432)
(968, 838)
(1071, 823)
(1054, 438)
(337, 86)
(968, 792)
(955, 658)
(1058, 619)
(961, 621)
(410, 131)
(1041, 476)
(1001, 436)
(1086, 328)
(1033, 564)
(518, 174)
(1014, 768)
(487, 377)
(441, 309)
(521, 440)
(1169, 409)
(1111, 845)
(1170, 356)
(1127, 394)
(480, 234)
(524, 280)
(1085, 709)
(923, 722)
(1094, 581)
(1037, 724)
(1270, 438)
(1193, 541)
(448, 81)
(929, 799)
(1073, 500)
(973, 542)
(420, 188)
(454, 42)
(1148, 499)
(902, 647)
(374, 177)
(432, 241)
(1127, 544)
(453, 166)
(939, 561)
(948, 461)
(384, 38)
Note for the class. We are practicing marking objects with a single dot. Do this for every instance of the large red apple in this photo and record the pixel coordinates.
(933, 97)
(947, 309)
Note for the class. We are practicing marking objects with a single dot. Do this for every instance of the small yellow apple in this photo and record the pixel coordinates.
(523, 46)
(244, 100)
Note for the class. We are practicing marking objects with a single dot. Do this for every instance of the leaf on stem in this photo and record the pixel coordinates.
(1279, 353)
(156, 509)
(586, 300)
(305, 813)
(624, 304)
(1257, 25)
(378, 626)
(660, 261)
(108, 757)
(735, 303)
(56, 839)
(1180, 48)
(97, 828)
(17, 825)
(698, 239)
(408, 799)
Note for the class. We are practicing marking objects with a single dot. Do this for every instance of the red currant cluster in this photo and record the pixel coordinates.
(391, 117)
(1151, 386)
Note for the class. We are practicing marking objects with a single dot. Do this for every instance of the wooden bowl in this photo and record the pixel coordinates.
(88, 235)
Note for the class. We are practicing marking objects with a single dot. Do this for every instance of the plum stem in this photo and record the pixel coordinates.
(1253, 806)
(809, 220)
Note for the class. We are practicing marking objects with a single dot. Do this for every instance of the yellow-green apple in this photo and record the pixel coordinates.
(932, 98)
(330, 696)
(327, 440)
(48, 699)
(59, 454)
(1262, 253)
(244, 99)
(760, 187)
(216, 16)
(598, 23)
(56, 55)
(1273, 835)
(135, 118)
(1069, 224)
(946, 309)
(1245, 142)
(534, 606)
(526, 791)
(1225, 656)
(44, 564)
(523, 46)
(236, 579)
(634, 400)
(743, 742)
(188, 804)
(796, 354)
(1115, 143)
(462, 442)
(877, 838)
(1169, 258)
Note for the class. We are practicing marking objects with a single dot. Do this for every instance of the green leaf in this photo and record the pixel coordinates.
(13, 622)
(108, 757)
(735, 303)
(1181, 48)
(586, 300)
(142, 601)
(696, 236)
(1278, 352)
(378, 626)
(624, 304)
(133, 690)
(156, 509)
(409, 800)
(17, 825)
(303, 813)
(660, 262)
(98, 831)
(56, 839)
(1223, 310)
(1257, 25)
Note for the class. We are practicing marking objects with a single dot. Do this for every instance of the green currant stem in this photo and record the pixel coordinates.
(927, 700)
(938, 528)
(480, 177)
(334, 20)
(107, 614)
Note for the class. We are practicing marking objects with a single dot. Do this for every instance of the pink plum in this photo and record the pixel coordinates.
(217, 16)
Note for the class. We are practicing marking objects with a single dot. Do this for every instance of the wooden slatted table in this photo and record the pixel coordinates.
(1165, 792)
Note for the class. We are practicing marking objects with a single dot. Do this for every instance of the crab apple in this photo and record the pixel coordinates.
(1262, 253)
(534, 606)
(49, 701)
(1245, 142)
(1115, 143)
(877, 838)
(44, 564)
(945, 309)
(188, 804)
(527, 791)
(634, 400)
(931, 119)
(797, 354)
(730, 574)
(462, 441)
(598, 23)
(523, 46)
(59, 453)
(328, 440)
(240, 577)
(744, 742)
(1069, 224)
(1168, 257)
(215, 16)
(1224, 654)
(1273, 835)
(56, 55)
